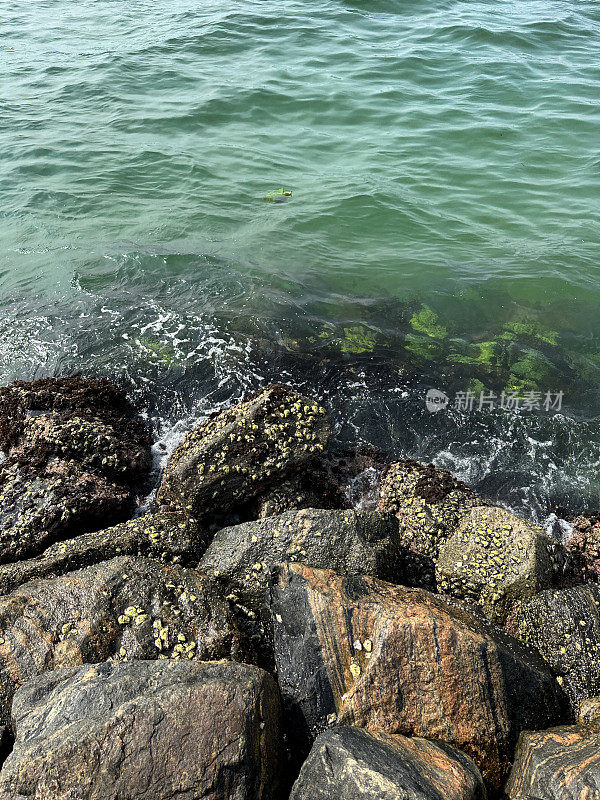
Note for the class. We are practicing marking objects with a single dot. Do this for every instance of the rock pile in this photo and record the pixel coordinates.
(255, 638)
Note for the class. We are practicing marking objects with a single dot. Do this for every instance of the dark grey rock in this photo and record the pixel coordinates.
(352, 764)
(152, 730)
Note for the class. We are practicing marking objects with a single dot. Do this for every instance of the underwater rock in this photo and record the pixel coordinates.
(76, 454)
(361, 652)
(163, 536)
(352, 764)
(497, 559)
(157, 730)
(557, 764)
(584, 547)
(235, 455)
(351, 542)
(564, 626)
(429, 503)
(122, 609)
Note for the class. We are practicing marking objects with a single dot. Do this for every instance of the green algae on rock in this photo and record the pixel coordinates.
(233, 456)
(426, 321)
(497, 559)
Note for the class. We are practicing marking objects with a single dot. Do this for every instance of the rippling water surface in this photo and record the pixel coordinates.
(443, 229)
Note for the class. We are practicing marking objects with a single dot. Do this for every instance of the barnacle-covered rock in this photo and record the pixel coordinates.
(156, 730)
(352, 764)
(163, 536)
(429, 503)
(564, 626)
(76, 455)
(234, 456)
(584, 548)
(497, 559)
(362, 652)
(312, 488)
(351, 542)
(122, 609)
(557, 764)
(41, 507)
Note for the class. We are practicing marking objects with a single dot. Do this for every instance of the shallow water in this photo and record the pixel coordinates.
(443, 229)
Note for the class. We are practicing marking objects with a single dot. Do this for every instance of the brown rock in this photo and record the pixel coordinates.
(557, 764)
(384, 657)
(122, 609)
(589, 711)
(152, 730)
(429, 503)
(584, 547)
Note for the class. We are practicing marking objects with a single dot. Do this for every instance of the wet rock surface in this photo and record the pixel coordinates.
(237, 454)
(557, 764)
(564, 626)
(352, 764)
(76, 454)
(429, 503)
(122, 609)
(584, 548)
(163, 536)
(157, 730)
(496, 559)
(361, 652)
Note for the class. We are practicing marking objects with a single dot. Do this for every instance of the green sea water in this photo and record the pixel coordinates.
(443, 228)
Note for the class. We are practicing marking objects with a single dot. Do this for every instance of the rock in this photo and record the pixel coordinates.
(352, 542)
(584, 547)
(310, 489)
(351, 764)
(237, 454)
(163, 536)
(76, 454)
(429, 503)
(157, 730)
(564, 626)
(557, 764)
(496, 559)
(122, 609)
(366, 653)
(589, 711)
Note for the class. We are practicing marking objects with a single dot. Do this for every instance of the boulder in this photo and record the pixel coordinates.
(429, 503)
(157, 730)
(557, 764)
(122, 609)
(584, 548)
(234, 456)
(352, 542)
(362, 652)
(497, 559)
(589, 711)
(352, 764)
(76, 453)
(309, 489)
(163, 536)
(564, 626)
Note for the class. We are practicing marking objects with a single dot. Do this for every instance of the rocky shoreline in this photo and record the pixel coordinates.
(256, 636)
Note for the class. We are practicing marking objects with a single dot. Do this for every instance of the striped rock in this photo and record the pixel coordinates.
(152, 730)
(352, 764)
(122, 609)
(557, 764)
(564, 626)
(361, 652)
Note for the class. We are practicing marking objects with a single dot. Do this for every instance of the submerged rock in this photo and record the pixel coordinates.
(122, 609)
(496, 559)
(358, 651)
(235, 455)
(76, 453)
(352, 764)
(166, 537)
(429, 503)
(156, 730)
(564, 626)
(557, 764)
